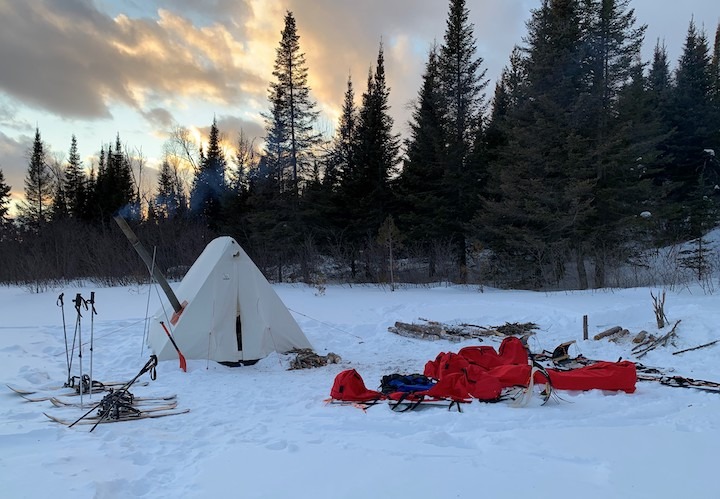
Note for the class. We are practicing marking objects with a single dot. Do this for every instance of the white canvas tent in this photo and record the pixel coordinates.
(230, 314)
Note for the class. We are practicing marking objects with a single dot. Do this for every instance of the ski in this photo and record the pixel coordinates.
(150, 405)
(27, 394)
(683, 382)
(106, 385)
(58, 402)
(96, 420)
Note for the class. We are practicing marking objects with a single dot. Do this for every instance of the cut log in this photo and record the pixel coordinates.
(640, 337)
(608, 332)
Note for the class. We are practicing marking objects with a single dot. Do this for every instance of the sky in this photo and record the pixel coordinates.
(139, 68)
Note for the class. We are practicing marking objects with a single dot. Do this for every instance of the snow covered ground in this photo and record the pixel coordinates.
(264, 432)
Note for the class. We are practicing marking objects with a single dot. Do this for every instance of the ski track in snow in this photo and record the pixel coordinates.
(264, 432)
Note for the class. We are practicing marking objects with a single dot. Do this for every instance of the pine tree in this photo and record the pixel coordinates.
(114, 188)
(692, 120)
(614, 44)
(340, 166)
(290, 124)
(462, 83)
(75, 182)
(59, 205)
(4, 200)
(39, 187)
(167, 200)
(422, 210)
(342, 154)
(236, 204)
(611, 62)
(376, 156)
(210, 186)
(508, 94)
(543, 194)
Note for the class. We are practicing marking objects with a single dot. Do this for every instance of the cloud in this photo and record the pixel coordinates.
(344, 35)
(13, 154)
(75, 61)
(165, 59)
(161, 118)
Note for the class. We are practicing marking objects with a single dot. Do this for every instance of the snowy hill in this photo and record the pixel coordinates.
(264, 432)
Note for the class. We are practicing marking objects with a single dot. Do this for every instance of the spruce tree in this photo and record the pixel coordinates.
(462, 83)
(236, 204)
(114, 188)
(4, 200)
(715, 87)
(167, 200)
(376, 156)
(39, 187)
(611, 60)
(75, 182)
(340, 166)
(692, 120)
(290, 124)
(210, 187)
(59, 205)
(342, 153)
(508, 93)
(544, 190)
(423, 215)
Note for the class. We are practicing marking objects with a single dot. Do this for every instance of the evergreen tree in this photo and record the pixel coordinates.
(4, 200)
(167, 200)
(210, 187)
(235, 207)
(114, 188)
(39, 187)
(342, 153)
(660, 80)
(612, 63)
(340, 166)
(376, 156)
(543, 196)
(422, 211)
(715, 89)
(715, 69)
(290, 123)
(462, 83)
(692, 120)
(508, 93)
(614, 45)
(59, 205)
(75, 182)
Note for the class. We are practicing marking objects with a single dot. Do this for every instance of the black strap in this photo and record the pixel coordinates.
(401, 406)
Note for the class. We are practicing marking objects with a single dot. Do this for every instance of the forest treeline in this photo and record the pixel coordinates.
(583, 157)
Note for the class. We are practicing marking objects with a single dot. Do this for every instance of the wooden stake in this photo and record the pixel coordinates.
(585, 327)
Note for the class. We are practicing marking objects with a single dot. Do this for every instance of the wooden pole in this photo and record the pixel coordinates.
(585, 327)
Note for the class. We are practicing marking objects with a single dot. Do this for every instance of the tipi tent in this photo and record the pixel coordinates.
(230, 312)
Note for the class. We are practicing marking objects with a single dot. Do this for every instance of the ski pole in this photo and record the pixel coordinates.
(78, 301)
(93, 312)
(146, 329)
(183, 365)
(61, 303)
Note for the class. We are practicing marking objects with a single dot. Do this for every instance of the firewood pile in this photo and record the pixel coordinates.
(651, 343)
(644, 341)
(433, 331)
(305, 358)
